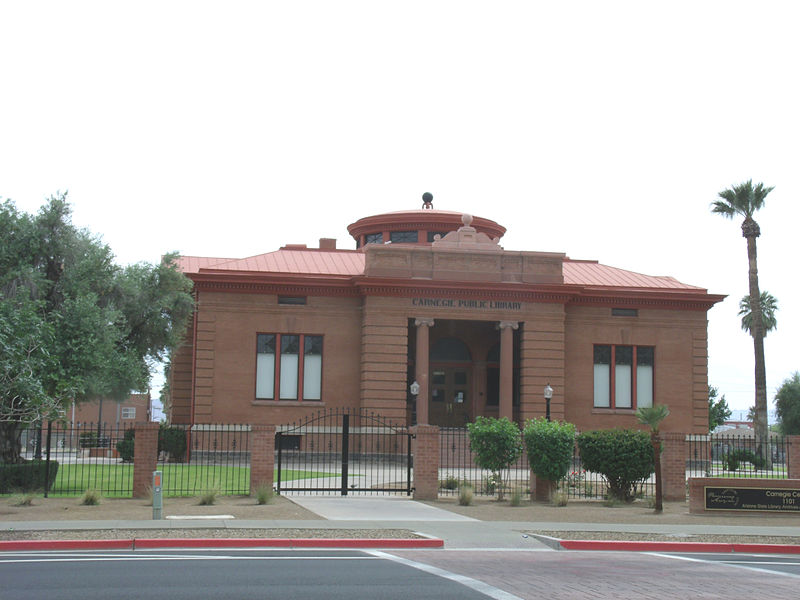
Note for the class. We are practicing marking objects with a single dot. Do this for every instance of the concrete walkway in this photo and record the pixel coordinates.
(376, 513)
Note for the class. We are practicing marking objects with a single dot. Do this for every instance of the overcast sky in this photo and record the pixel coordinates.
(601, 129)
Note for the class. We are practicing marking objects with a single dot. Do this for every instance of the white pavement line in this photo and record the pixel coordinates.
(178, 558)
(200, 517)
(479, 586)
(734, 564)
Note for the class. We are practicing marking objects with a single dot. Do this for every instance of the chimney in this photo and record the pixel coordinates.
(327, 244)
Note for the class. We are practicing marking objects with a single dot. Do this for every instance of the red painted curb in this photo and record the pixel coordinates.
(679, 547)
(6, 546)
(23, 545)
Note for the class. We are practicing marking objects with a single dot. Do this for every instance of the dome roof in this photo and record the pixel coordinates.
(439, 221)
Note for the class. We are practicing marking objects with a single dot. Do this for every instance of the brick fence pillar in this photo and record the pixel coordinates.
(262, 456)
(425, 448)
(793, 456)
(673, 466)
(145, 458)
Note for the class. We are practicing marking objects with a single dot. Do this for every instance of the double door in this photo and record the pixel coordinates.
(450, 396)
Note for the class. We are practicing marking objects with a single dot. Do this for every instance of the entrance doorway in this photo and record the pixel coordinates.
(451, 396)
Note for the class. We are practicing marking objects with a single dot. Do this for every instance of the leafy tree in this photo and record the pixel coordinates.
(623, 456)
(744, 200)
(652, 417)
(496, 444)
(718, 411)
(787, 405)
(73, 325)
(549, 445)
(769, 306)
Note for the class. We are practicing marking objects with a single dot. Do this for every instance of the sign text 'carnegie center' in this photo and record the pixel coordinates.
(455, 303)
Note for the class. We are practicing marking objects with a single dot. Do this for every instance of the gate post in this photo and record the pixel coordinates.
(793, 456)
(673, 466)
(262, 456)
(145, 457)
(425, 446)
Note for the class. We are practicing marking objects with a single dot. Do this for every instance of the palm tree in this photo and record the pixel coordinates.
(769, 306)
(744, 200)
(652, 416)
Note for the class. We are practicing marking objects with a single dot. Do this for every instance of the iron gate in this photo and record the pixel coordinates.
(344, 451)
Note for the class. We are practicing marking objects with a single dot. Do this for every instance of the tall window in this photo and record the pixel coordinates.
(623, 376)
(408, 237)
(279, 366)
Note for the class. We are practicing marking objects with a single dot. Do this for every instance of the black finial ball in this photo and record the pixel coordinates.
(427, 197)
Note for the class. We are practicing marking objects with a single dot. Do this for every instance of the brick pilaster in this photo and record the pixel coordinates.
(262, 456)
(145, 458)
(673, 466)
(793, 456)
(425, 449)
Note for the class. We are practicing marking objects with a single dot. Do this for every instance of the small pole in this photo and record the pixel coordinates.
(47, 460)
(158, 502)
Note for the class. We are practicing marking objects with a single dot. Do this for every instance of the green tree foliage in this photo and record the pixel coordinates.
(549, 445)
(769, 306)
(623, 456)
(787, 405)
(745, 200)
(718, 411)
(73, 325)
(496, 444)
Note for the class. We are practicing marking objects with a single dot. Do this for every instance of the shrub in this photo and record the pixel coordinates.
(23, 500)
(209, 497)
(559, 498)
(26, 476)
(549, 445)
(623, 456)
(90, 498)
(465, 495)
(172, 440)
(732, 460)
(496, 444)
(126, 444)
(264, 494)
(451, 483)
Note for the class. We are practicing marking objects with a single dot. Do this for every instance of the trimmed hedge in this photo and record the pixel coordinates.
(549, 445)
(27, 476)
(623, 456)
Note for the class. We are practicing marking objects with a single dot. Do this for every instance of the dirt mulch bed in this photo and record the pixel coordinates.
(130, 534)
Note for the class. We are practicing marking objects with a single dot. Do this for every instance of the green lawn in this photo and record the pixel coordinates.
(116, 480)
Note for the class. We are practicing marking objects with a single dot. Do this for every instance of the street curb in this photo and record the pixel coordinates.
(679, 547)
(154, 543)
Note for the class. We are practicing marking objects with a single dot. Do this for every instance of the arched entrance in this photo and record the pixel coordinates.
(451, 383)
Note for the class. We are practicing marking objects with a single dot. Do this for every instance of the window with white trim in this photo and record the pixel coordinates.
(128, 412)
(623, 376)
(281, 366)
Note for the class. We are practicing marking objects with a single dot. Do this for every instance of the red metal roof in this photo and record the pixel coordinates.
(590, 273)
(310, 262)
(351, 263)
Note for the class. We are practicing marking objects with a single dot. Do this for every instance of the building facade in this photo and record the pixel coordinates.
(430, 320)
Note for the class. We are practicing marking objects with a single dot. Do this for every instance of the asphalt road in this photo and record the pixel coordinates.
(417, 574)
(307, 575)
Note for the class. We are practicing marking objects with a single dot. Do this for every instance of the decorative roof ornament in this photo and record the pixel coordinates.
(467, 238)
(427, 201)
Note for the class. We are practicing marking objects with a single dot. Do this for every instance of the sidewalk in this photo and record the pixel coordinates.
(361, 522)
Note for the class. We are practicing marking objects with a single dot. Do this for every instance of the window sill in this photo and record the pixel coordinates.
(287, 403)
(613, 411)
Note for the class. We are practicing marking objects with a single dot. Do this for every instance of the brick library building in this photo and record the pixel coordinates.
(430, 320)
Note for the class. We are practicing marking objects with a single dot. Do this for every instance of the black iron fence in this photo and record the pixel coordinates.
(737, 454)
(69, 461)
(197, 459)
(343, 451)
(457, 467)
